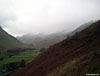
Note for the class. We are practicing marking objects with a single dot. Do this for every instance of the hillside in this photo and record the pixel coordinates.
(75, 56)
(82, 27)
(7, 41)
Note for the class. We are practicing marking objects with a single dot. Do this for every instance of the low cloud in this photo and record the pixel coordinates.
(46, 16)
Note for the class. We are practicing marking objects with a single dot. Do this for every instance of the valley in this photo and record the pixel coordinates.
(15, 59)
(14, 54)
(60, 54)
(77, 55)
(49, 37)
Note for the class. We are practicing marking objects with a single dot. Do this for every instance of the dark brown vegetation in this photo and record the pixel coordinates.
(83, 48)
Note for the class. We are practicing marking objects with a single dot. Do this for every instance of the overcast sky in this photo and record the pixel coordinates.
(20, 17)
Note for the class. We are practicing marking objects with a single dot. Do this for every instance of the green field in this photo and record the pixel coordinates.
(28, 56)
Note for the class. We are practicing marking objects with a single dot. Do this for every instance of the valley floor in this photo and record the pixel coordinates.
(6, 61)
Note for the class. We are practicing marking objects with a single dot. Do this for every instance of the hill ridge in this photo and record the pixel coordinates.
(7, 41)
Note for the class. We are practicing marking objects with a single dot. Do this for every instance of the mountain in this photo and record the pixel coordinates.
(77, 55)
(82, 27)
(46, 40)
(7, 41)
(43, 40)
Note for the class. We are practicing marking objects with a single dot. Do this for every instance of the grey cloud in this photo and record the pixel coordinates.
(46, 16)
(6, 18)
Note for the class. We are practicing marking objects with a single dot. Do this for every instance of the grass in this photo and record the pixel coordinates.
(3, 56)
(5, 74)
(79, 66)
(28, 56)
(61, 71)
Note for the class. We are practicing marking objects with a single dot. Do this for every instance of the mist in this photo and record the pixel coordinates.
(20, 17)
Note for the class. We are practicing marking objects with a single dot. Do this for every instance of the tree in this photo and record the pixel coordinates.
(23, 63)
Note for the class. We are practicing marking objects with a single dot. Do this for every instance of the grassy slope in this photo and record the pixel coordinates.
(80, 66)
(87, 64)
(7, 41)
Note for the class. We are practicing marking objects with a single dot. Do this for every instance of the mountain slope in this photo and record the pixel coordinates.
(82, 27)
(7, 41)
(46, 40)
(75, 56)
(43, 40)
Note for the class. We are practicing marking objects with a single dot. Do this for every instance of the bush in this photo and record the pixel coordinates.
(42, 49)
(23, 63)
